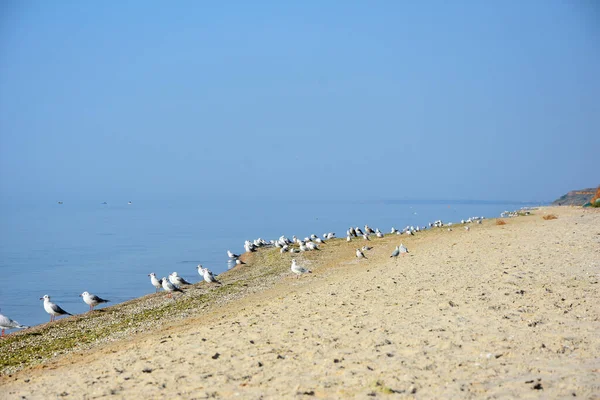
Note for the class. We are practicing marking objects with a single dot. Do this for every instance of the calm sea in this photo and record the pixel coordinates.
(109, 249)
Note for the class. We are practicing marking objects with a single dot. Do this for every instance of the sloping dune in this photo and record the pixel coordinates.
(497, 311)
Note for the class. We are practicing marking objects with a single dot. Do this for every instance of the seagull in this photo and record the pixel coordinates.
(240, 262)
(208, 275)
(298, 270)
(348, 238)
(312, 246)
(358, 231)
(157, 283)
(396, 252)
(169, 287)
(232, 255)
(365, 248)
(403, 249)
(7, 323)
(365, 236)
(177, 280)
(92, 300)
(53, 309)
(467, 228)
(379, 234)
(360, 254)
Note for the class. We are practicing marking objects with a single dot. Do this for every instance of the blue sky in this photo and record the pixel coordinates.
(336, 99)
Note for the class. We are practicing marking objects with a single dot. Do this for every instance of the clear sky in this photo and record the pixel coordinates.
(492, 100)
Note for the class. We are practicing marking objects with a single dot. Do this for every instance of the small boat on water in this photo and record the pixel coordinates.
(130, 203)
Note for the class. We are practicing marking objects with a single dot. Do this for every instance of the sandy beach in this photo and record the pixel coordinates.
(499, 311)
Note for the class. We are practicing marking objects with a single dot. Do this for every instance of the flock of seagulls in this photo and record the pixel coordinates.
(173, 283)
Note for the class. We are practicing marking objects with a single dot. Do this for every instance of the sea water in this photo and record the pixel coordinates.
(109, 249)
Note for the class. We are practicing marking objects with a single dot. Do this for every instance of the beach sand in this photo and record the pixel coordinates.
(507, 311)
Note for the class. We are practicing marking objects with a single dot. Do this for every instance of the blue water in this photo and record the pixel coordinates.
(108, 250)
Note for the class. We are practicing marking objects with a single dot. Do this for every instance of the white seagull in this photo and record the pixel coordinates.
(312, 246)
(92, 300)
(177, 280)
(208, 275)
(396, 252)
(157, 283)
(360, 254)
(53, 309)
(298, 270)
(7, 323)
(169, 287)
(403, 249)
(232, 255)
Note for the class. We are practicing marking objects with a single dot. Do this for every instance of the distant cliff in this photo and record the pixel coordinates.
(575, 197)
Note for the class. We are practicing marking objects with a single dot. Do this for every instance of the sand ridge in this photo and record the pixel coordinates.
(499, 311)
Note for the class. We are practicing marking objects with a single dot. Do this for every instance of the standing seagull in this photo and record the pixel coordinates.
(396, 252)
(169, 287)
(7, 323)
(92, 300)
(298, 270)
(157, 283)
(232, 255)
(177, 280)
(53, 309)
(403, 249)
(360, 254)
(208, 275)
(240, 262)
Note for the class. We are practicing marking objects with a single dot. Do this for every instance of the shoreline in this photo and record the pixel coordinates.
(90, 267)
(267, 283)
